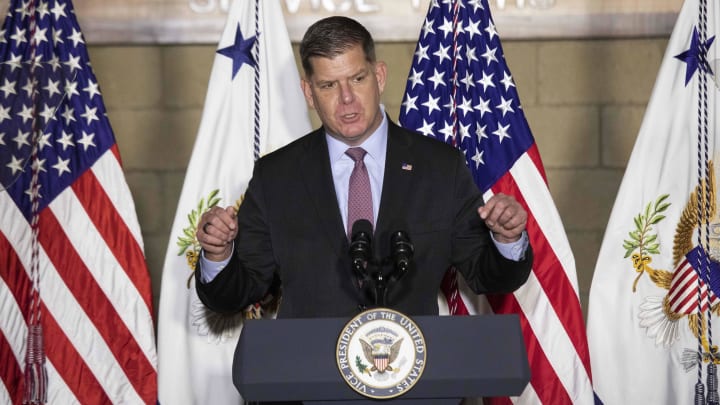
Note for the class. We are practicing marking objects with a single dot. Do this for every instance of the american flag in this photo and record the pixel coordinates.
(461, 91)
(72, 267)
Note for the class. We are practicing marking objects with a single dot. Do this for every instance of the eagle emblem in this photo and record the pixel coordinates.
(688, 294)
(381, 354)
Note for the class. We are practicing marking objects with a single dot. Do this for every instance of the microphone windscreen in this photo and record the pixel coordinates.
(362, 225)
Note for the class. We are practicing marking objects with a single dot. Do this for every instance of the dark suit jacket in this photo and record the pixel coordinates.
(290, 223)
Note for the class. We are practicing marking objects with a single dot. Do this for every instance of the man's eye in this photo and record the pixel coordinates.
(358, 79)
(327, 85)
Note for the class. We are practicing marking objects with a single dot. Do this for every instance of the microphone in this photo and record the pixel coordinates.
(402, 253)
(360, 248)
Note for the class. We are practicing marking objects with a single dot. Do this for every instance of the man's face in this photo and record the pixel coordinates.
(345, 91)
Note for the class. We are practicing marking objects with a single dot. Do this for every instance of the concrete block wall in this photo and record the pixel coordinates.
(584, 100)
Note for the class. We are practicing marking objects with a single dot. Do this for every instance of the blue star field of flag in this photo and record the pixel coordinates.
(460, 90)
(46, 83)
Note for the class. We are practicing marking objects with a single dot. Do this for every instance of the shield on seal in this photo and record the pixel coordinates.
(381, 361)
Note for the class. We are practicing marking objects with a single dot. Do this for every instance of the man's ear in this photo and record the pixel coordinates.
(381, 74)
(307, 92)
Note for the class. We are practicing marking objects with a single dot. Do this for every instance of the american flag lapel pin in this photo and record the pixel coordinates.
(406, 166)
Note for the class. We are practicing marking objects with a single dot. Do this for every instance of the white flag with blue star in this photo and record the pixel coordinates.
(657, 268)
(253, 106)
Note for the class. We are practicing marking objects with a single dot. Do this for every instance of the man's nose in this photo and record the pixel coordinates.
(346, 93)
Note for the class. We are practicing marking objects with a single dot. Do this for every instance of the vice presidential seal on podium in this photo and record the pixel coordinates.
(381, 353)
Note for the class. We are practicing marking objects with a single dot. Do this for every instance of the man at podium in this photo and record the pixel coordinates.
(358, 179)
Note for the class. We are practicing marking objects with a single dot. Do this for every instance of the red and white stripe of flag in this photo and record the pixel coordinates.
(548, 304)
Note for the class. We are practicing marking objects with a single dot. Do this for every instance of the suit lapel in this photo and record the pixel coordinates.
(397, 184)
(315, 167)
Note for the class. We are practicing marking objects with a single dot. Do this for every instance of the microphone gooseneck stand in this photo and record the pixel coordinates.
(370, 272)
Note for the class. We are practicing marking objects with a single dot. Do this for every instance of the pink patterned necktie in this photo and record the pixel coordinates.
(360, 204)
